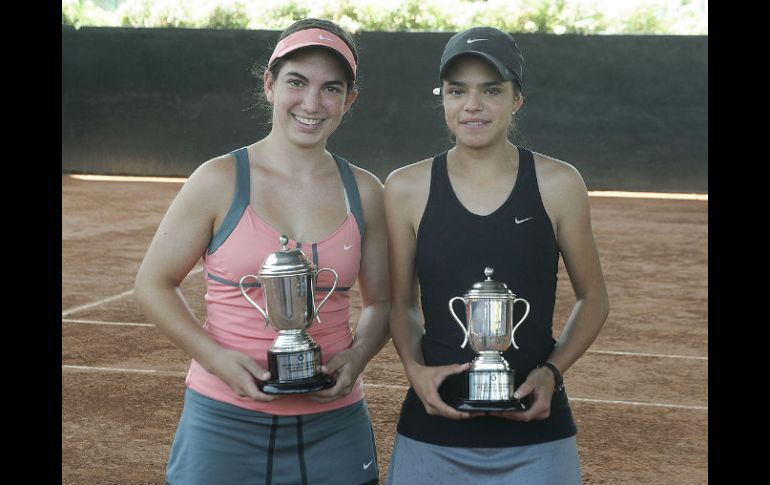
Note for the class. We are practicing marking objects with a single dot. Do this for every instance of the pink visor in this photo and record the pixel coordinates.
(311, 37)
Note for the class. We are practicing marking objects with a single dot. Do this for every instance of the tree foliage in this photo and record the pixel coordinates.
(688, 17)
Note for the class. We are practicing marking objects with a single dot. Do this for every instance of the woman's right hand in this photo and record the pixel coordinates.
(240, 372)
(425, 381)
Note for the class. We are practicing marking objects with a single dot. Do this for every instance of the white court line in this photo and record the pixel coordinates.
(636, 403)
(592, 193)
(600, 401)
(607, 352)
(83, 368)
(640, 354)
(99, 322)
(76, 309)
(647, 195)
(121, 178)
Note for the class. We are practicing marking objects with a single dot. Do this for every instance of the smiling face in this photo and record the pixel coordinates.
(478, 104)
(309, 95)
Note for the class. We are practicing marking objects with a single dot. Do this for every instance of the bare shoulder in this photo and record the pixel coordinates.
(562, 189)
(557, 178)
(406, 192)
(366, 180)
(370, 191)
(410, 180)
(211, 185)
(215, 173)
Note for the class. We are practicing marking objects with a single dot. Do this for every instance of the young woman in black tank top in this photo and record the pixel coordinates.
(486, 202)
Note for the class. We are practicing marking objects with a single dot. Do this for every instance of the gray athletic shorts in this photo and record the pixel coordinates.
(552, 463)
(220, 444)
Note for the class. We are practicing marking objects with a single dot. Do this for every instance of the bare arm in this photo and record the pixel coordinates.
(566, 200)
(372, 331)
(181, 239)
(405, 321)
(405, 196)
(581, 259)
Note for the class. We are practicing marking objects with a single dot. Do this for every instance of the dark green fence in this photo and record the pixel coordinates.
(630, 112)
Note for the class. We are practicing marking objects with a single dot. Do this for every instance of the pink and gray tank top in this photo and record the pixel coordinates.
(239, 247)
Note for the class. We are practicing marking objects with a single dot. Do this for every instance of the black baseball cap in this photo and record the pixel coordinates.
(492, 44)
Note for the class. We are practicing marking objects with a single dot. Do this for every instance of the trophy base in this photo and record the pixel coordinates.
(502, 406)
(300, 386)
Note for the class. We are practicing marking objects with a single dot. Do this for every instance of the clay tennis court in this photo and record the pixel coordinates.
(639, 396)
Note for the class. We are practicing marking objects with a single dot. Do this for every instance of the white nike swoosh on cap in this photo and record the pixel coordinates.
(471, 41)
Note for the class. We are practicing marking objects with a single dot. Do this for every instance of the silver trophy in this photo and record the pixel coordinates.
(288, 282)
(489, 313)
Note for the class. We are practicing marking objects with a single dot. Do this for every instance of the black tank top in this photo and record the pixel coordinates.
(453, 248)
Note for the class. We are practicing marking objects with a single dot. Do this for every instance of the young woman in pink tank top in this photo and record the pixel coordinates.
(231, 213)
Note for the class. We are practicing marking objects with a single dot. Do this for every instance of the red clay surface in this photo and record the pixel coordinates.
(639, 396)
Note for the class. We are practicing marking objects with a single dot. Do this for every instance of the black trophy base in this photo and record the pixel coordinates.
(474, 405)
(300, 386)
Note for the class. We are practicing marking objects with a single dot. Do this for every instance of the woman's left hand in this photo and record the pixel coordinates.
(345, 367)
(540, 384)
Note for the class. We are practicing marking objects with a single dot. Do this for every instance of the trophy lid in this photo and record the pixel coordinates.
(286, 261)
(490, 288)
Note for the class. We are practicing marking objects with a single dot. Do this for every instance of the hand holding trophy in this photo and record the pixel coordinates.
(288, 281)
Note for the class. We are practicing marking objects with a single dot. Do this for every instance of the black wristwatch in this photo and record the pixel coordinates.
(556, 376)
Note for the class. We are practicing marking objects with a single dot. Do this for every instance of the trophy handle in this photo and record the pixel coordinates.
(451, 310)
(516, 300)
(253, 303)
(334, 285)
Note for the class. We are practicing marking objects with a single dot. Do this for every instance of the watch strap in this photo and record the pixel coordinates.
(558, 380)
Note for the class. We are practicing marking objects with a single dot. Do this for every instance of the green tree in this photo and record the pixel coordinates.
(542, 16)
